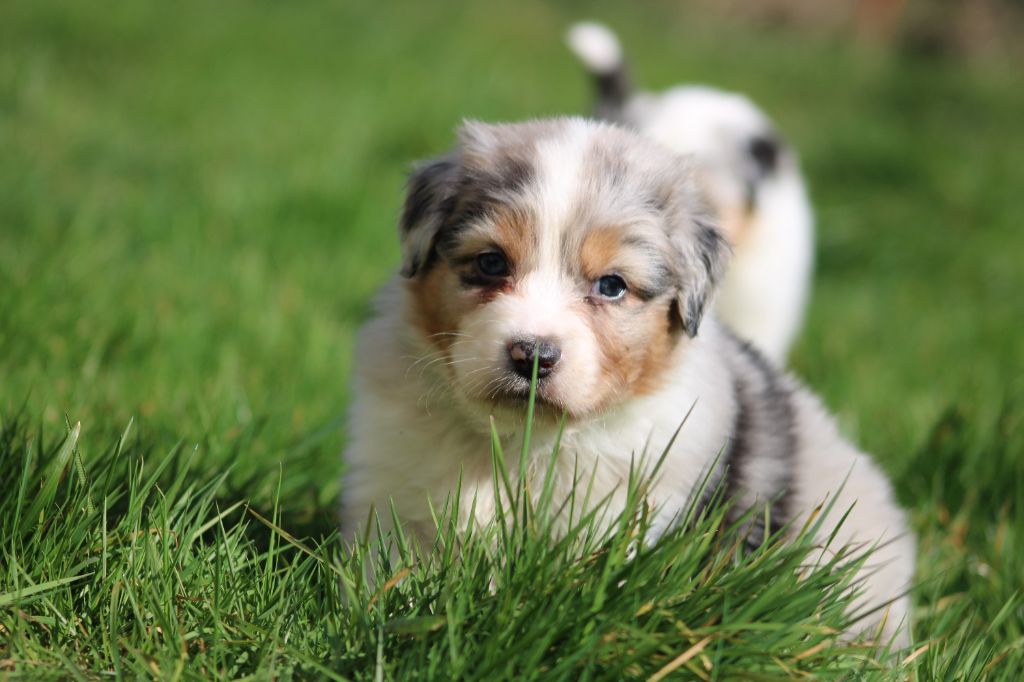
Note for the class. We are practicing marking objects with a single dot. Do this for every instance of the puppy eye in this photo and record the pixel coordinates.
(611, 287)
(492, 264)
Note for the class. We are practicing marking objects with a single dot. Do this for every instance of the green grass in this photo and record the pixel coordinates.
(196, 204)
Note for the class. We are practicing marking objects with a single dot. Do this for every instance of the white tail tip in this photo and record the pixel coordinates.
(596, 46)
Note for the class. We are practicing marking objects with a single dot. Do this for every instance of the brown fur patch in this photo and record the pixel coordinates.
(635, 337)
(432, 310)
(661, 341)
(438, 303)
(636, 345)
(598, 252)
(513, 232)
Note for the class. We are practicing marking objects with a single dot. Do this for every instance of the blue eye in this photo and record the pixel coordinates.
(611, 287)
(492, 264)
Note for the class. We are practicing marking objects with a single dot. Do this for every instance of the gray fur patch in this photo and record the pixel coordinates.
(760, 455)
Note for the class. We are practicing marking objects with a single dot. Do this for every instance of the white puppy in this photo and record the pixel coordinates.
(751, 177)
(586, 247)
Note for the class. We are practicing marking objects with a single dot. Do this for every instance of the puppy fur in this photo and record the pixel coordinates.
(749, 174)
(568, 203)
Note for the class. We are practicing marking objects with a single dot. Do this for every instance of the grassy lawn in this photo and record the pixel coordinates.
(197, 201)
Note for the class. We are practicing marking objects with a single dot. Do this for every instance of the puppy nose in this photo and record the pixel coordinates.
(521, 353)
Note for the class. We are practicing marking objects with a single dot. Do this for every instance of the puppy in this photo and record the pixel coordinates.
(750, 175)
(585, 248)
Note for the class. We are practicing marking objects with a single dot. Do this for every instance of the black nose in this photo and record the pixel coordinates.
(521, 353)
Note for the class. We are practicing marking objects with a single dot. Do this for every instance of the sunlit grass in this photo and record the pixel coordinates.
(158, 576)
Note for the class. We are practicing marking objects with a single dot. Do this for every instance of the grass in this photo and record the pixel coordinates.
(196, 204)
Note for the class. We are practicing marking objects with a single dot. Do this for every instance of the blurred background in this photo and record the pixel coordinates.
(198, 200)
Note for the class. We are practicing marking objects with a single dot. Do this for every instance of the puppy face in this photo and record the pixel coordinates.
(567, 244)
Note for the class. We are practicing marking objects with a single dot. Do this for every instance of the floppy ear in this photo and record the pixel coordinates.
(705, 253)
(428, 195)
(700, 247)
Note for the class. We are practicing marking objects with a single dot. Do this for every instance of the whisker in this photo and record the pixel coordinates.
(456, 333)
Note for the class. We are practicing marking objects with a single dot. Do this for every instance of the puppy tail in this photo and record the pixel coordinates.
(598, 48)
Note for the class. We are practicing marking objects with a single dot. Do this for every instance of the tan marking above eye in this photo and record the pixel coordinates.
(625, 253)
(506, 230)
(600, 249)
(512, 232)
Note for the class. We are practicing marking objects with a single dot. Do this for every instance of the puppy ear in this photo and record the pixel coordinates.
(428, 194)
(705, 254)
(489, 164)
